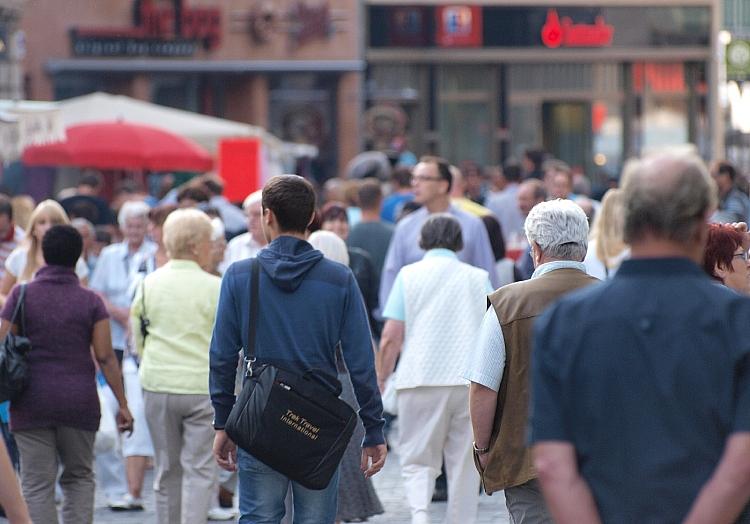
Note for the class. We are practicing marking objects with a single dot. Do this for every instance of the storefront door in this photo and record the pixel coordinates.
(566, 131)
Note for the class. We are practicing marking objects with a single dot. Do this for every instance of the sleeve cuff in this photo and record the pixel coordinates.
(221, 414)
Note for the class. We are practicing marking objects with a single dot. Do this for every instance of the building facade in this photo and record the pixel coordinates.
(591, 85)
(293, 67)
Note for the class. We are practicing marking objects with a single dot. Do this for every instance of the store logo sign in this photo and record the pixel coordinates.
(557, 32)
(159, 29)
(459, 26)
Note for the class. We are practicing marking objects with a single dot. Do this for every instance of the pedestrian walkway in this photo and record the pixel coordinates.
(388, 484)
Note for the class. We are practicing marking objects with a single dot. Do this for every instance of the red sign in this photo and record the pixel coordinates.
(459, 26)
(240, 167)
(166, 22)
(563, 32)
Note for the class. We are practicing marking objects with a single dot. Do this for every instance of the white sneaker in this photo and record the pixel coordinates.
(127, 503)
(217, 513)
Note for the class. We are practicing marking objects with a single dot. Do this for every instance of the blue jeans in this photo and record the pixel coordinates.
(262, 493)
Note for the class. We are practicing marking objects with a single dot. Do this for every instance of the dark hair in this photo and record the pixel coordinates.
(512, 171)
(62, 246)
(91, 180)
(722, 242)
(370, 194)
(103, 235)
(536, 157)
(6, 207)
(402, 176)
(496, 236)
(192, 193)
(334, 211)
(157, 215)
(291, 198)
(441, 230)
(726, 168)
(212, 185)
(443, 168)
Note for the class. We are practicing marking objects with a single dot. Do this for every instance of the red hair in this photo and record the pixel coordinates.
(723, 241)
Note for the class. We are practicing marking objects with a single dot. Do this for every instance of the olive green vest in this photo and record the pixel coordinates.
(517, 306)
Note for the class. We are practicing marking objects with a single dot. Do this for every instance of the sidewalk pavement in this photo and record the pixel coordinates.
(388, 484)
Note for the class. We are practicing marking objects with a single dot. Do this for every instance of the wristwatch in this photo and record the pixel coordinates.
(480, 451)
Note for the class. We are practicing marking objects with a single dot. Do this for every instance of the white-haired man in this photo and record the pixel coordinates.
(499, 369)
(247, 244)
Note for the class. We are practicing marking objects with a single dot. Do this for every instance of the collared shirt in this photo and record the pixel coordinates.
(646, 376)
(404, 248)
(239, 248)
(179, 301)
(505, 206)
(488, 362)
(112, 277)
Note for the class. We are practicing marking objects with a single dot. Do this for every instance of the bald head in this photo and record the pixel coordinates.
(667, 195)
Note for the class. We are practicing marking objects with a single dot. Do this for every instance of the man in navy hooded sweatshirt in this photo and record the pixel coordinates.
(308, 304)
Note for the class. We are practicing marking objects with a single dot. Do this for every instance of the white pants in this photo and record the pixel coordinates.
(434, 426)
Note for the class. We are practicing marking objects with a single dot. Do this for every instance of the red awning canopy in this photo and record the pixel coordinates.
(121, 145)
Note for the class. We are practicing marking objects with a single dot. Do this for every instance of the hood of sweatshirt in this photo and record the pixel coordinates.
(287, 260)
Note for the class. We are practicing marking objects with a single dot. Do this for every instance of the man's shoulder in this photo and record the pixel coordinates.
(411, 221)
(113, 250)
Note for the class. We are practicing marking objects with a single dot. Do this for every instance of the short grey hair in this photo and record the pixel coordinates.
(560, 228)
(441, 230)
(667, 195)
(132, 209)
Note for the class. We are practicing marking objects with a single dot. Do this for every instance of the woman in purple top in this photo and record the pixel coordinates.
(57, 415)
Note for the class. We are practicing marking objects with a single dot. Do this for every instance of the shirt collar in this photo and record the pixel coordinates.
(557, 264)
(440, 253)
(181, 263)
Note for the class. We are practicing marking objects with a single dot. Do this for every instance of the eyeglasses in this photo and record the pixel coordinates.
(743, 255)
(425, 178)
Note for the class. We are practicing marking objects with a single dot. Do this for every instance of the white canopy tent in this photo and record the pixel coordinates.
(24, 123)
(204, 130)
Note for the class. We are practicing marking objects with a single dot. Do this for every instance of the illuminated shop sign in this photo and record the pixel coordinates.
(564, 32)
(173, 30)
(459, 26)
(543, 27)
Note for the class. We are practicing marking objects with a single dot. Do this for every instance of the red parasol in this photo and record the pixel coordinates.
(120, 145)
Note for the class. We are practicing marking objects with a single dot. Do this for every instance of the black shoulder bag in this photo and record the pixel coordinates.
(296, 424)
(14, 368)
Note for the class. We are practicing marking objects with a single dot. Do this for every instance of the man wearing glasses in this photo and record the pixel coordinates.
(431, 180)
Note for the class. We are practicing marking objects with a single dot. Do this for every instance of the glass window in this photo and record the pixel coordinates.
(467, 112)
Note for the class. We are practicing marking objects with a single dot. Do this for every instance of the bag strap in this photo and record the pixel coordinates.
(252, 325)
(20, 309)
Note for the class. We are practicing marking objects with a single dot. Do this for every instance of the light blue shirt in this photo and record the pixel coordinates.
(113, 276)
(487, 365)
(395, 308)
(405, 250)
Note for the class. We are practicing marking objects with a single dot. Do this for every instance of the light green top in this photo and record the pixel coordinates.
(180, 304)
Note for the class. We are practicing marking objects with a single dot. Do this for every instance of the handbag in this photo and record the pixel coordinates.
(14, 367)
(294, 423)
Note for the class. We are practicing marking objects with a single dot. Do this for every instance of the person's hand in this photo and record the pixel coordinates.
(373, 459)
(225, 451)
(124, 420)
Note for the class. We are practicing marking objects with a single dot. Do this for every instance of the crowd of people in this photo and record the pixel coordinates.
(429, 290)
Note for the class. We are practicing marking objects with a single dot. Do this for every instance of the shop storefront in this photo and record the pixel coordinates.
(591, 85)
(293, 67)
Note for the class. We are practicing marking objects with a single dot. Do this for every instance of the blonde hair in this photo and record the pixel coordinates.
(183, 230)
(56, 215)
(608, 228)
(23, 206)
